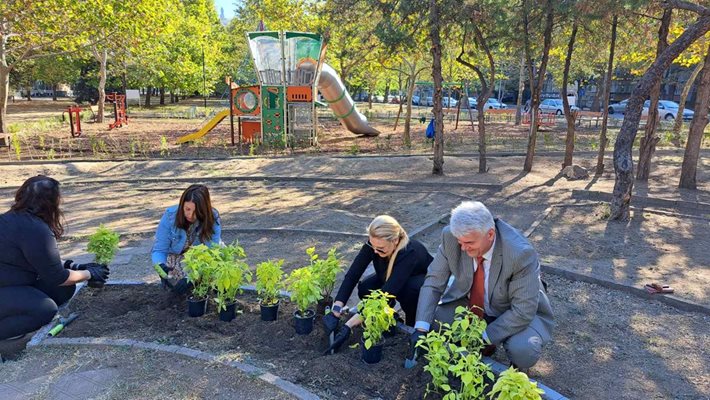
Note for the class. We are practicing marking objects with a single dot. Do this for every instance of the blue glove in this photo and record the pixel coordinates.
(340, 338)
(330, 323)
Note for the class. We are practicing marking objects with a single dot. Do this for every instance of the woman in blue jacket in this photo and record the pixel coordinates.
(192, 222)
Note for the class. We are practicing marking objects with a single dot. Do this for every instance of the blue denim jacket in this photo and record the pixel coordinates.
(169, 239)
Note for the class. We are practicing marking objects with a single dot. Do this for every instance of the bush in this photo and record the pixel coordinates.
(199, 267)
(325, 270)
(377, 316)
(229, 274)
(515, 385)
(269, 281)
(305, 292)
(103, 244)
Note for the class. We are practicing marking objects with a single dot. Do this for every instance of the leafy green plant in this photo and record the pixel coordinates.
(454, 357)
(103, 244)
(16, 144)
(515, 385)
(377, 316)
(51, 154)
(269, 281)
(325, 270)
(354, 149)
(303, 285)
(199, 266)
(229, 273)
(164, 149)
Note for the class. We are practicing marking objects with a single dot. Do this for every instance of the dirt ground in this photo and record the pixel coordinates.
(608, 344)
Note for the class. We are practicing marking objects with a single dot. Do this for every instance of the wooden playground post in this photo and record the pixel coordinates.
(239, 130)
(231, 107)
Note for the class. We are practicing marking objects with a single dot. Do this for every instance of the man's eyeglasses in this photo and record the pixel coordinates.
(376, 249)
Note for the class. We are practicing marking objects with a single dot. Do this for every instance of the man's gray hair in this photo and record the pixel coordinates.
(469, 217)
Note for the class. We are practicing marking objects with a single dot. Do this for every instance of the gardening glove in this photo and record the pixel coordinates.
(340, 338)
(182, 286)
(414, 351)
(163, 271)
(99, 272)
(330, 323)
(69, 264)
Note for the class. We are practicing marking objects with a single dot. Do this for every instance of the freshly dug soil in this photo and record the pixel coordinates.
(150, 314)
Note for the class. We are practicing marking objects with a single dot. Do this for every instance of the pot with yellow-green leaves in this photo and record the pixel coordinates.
(325, 270)
(104, 245)
(377, 318)
(269, 282)
(305, 292)
(230, 272)
(199, 267)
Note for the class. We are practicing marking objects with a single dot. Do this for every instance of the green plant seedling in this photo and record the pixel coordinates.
(326, 270)
(515, 385)
(304, 288)
(377, 316)
(103, 244)
(229, 274)
(269, 281)
(199, 267)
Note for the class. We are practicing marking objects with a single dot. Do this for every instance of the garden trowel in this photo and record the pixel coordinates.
(63, 323)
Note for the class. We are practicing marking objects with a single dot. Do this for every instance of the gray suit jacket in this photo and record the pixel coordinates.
(515, 291)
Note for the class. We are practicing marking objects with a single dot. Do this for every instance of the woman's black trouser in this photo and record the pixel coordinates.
(408, 296)
(24, 309)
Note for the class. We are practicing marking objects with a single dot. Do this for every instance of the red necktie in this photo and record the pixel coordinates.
(478, 289)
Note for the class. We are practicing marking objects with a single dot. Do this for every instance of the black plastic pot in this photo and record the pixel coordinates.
(304, 324)
(228, 313)
(95, 284)
(196, 307)
(269, 313)
(373, 355)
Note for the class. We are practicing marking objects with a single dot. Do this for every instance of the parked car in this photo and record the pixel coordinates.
(491, 104)
(449, 102)
(415, 100)
(668, 110)
(554, 106)
(429, 101)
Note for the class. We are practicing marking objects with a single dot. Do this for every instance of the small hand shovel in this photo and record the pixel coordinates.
(63, 323)
(411, 362)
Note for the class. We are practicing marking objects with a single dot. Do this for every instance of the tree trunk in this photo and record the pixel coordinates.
(605, 99)
(596, 102)
(521, 89)
(569, 140)
(650, 139)
(4, 90)
(101, 56)
(678, 124)
(408, 113)
(535, 101)
(697, 129)
(623, 160)
(54, 91)
(162, 95)
(29, 93)
(438, 168)
(148, 93)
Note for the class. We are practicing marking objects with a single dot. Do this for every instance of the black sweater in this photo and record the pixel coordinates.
(412, 260)
(28, 251)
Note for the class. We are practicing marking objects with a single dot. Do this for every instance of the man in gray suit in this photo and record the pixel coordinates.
(509, 293)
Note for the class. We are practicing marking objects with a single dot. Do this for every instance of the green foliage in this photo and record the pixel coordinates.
(377, 316)
(164, 149)
(104, 244)
(454, 357)
(230, 272)
(354, 149)
(515, 385)
(199, 267)
(16, 144)
(325, 270)
(269, 281)
(303, 285)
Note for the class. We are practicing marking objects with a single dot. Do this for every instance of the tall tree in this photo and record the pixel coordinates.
(435, 37)
(697, 129)
(650, 139)
(605, 100)
(569, 117)
(623, 161)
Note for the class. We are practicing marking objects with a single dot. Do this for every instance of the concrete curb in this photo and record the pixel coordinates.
(289, 387)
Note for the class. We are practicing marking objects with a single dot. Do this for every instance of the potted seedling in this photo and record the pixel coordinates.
(326, 271)
(269, 282)
(377, 318)
(199, 265)
(305, 292)
(104, 245)
(454, 357)
(229, 274)
(515, 385)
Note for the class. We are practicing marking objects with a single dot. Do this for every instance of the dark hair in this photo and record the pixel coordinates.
(199, 195)
(40, 196)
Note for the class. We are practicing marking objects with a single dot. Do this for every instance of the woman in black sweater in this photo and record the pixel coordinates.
(33, 279)
(400, 268)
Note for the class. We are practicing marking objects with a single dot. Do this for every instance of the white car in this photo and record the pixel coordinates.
(620, 107)
(554, 106)
(668, 110)
(491, 104)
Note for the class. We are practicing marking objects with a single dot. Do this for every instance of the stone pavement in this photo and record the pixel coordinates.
(77, 385)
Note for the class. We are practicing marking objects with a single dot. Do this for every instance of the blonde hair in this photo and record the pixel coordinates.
(387, 228)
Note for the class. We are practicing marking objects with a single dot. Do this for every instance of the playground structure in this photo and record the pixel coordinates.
(74, 120)
(280, 110)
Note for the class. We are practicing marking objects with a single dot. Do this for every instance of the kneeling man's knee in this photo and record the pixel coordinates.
(524, 350)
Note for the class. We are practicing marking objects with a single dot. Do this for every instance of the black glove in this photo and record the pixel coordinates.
(340, 338)
(99, 272)
(182, 286)
(69, 264)
(414, 351)
(330, 323)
